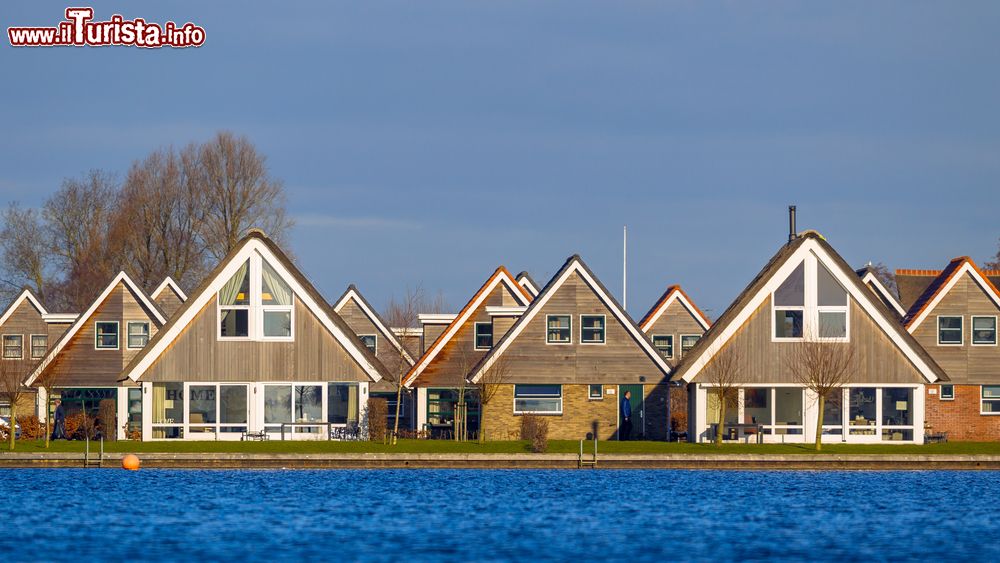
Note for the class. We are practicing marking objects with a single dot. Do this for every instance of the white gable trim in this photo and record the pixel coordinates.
(81, 321)
(870, 278)
(459, 321)
(25, 295)
(539, 303)
(150, 354)
(965, 268)
(675, 295)
(169, 282)
(864, 299)
(386, 333)
(526, 284)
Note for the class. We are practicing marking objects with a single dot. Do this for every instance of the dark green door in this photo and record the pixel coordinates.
(638, 414)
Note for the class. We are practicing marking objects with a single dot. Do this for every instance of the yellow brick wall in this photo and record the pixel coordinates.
(579, 415)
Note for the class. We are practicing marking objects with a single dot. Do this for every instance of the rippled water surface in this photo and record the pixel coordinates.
(69, 514)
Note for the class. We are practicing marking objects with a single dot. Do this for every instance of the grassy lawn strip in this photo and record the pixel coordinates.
(555, 446)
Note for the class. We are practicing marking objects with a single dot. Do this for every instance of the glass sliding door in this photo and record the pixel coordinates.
(308, 407)
(342, 403)
(233, 410)
(897, 414)
(168, 410)
(788, 410)
(833, 414)
(202, 409)
(277, 406)
(861, 415)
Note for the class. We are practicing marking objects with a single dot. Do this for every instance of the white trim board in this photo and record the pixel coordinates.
(154, 349)
(965, 268)
(169, 282)
(25, 294)
(121, 278)
(353, 294)
(864, 300)
(871, 279)
(577, 267)
(675, 295)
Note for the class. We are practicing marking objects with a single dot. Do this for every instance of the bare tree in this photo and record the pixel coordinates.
(823, 367)
(885, 275)
(724, 373)
(25, 253)
(994, 262)
(487, 387)
(238, 193)
(13, 391)
(401, 313)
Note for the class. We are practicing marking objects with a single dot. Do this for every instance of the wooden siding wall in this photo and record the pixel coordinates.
(880, 361)
(459, 355)
(25, 320)
(676, 320)
(56, 330)
(79, 363)
(198, 355)
(620, 359)
(431, 333)
(168, 302)
(388, 354)
(965, 363)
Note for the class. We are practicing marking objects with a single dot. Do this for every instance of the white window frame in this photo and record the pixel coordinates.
(680, 350)
(475, 335)
(218, 424)
(31, 346)
(961, 329)
(590, 393)
(361, 337)
(569, 331)
(671, 337)
(982, 399)
(274, 428)
(3, 346)
(118, 333)
(972, 330)
(941, 396)
(128, 334)
(540, 413)
(256, 308)
(811, 308)
(604, 330)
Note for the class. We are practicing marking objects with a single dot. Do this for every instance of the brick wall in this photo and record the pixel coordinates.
(960, 417)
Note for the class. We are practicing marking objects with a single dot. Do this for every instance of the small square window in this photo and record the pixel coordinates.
(558, 329)
(234, 323)
(39, 345)
(688, 341)
(950, 330)
(984, 331)
(990, 399)
(370, 342)
(592, 329)
(947, 392)
(138, 334)
(106, 335)
(484, 336)
(277, 324)
(665, 344)
(788, 323)
(13, 346)
(596, 391)
(833, 324)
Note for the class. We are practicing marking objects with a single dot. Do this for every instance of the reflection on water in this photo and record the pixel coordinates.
(70, 514)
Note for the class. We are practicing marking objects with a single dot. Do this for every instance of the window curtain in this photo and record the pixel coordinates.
(159, 403)
(281, 294)
(230, 292)
(352, 404)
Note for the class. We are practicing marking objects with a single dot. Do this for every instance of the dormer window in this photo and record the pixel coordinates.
(810, 301)
(256, 303)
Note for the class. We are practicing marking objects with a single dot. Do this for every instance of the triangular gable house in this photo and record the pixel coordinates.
(870, 278)
(256, 331)
(27, 330)
(578, 345)
(525, 280)
(168, 296)
(674, 323)
(781, 307)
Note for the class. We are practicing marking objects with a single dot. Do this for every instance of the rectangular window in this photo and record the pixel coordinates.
(370, 342)
(342, 403)
(484, 336)
(788, 323)
(138, 334)
(558, 329)
(984, 331)
(234, 304)
(538, 399)
(950, 331)
(861, 413)
(277, 324)
(168, 410)
(991, 399)
(665, 344)
(688, 341)
(596, 391)
(39, 344)
(106, 335)
(234, 323)
(947, 392)
(592, 329)
(13, 346)
(833, 324)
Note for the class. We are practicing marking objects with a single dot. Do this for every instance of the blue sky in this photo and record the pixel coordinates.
(427, 142)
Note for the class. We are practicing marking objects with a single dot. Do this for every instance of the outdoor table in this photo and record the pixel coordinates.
(758, 428)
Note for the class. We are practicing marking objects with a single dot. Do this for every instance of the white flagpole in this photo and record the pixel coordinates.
(625, 267)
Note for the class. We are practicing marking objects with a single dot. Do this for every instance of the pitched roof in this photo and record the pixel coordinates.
(527, 282)
(500, 275)
(168, 282)
(81, 321)
(352, 293)
(913, 283)
(772, 275)
(870, 277)
(25, 295)
(255, 241)
(574, 264)
(673, 293)
(942, 284)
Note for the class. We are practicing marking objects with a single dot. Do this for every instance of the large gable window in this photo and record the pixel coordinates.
(831, 300)
(790, 305)
(810, 303)
(256, 303)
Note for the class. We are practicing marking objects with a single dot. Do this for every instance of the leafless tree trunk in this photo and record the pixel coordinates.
(487, 387)
(12, 391)
(239, 194)
(823, 367)
(25, 253)
(724, 373)
(401, 314)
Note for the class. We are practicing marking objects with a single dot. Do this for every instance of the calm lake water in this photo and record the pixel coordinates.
(79, 515)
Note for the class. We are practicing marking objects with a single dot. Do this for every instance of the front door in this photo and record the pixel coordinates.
(638, 415)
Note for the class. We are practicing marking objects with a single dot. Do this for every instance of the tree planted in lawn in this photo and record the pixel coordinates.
(724, 373)
(822, 366)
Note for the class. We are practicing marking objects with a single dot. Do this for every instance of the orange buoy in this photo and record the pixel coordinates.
(130, 462)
